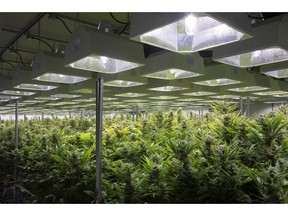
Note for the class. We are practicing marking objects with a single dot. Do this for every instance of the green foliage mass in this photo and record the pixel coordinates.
(161, 158)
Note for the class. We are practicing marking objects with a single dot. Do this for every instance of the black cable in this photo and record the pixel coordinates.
(19, 57)
(123, 29)
(121, 22)
(64, 25)
(43, 42)
(8, 63)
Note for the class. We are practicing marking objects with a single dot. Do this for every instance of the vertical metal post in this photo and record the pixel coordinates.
(248, 106)
(99, 115)
(42, 116)
(70, 115)
(16, 147)
(25, 117)
(133, 113)
(137, 112)
(241, 107)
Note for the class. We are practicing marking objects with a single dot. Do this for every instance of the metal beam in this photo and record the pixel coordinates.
(99, 124)
(32, 22)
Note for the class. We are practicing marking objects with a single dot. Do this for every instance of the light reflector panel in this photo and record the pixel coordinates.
(256, 58)
(248, 89)
(20, 93)
(218, 82)
(35, 87)
(172, 74)
(168, 88)
(60, 78)
(189, 33)
(122, 83)
(269, 93)
(65, 96)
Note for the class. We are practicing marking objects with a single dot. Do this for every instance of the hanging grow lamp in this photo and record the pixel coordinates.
(268, 45)
(172, 66)
(102, 52)
(189, 32)
(50, 68)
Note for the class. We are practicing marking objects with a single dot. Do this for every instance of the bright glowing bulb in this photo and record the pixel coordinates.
(104, 59)
(257, 53)
(172, 71)
(190, 25)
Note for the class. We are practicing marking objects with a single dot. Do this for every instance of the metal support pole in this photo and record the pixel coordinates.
(42, 115)
(133, 113)
(137, 112)
(241, 107)
(16, 147)
(25, 117)
(70, 115)
(99, 115)
(248, 107)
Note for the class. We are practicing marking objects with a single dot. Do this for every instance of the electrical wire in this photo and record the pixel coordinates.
(4, 61)
(19, 57)
(121, 22)
(123, 29)
(43, 42)
(64, 25)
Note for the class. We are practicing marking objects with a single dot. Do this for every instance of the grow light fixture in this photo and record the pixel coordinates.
(172, 74)
(102, 52)
(122, 83)
(200, 93)
(33, 101)
(47, 98)
(4, 100)
(248, 89)
(109, 98)
(269, 93)
(268, 45)
(168, 88)
(136, 101)
(163, 97)
(84, 100)
(6, 97)
(130, 94)
(225, 97)
(35, 87)
(276, 102)
(278, 73)
(65, 96)
(21, 93)
(189, 99)
(218, 82)
(280, 95)
(60, 78)
(189, 32)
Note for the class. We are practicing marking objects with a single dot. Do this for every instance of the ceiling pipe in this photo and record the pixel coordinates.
(32, 22)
